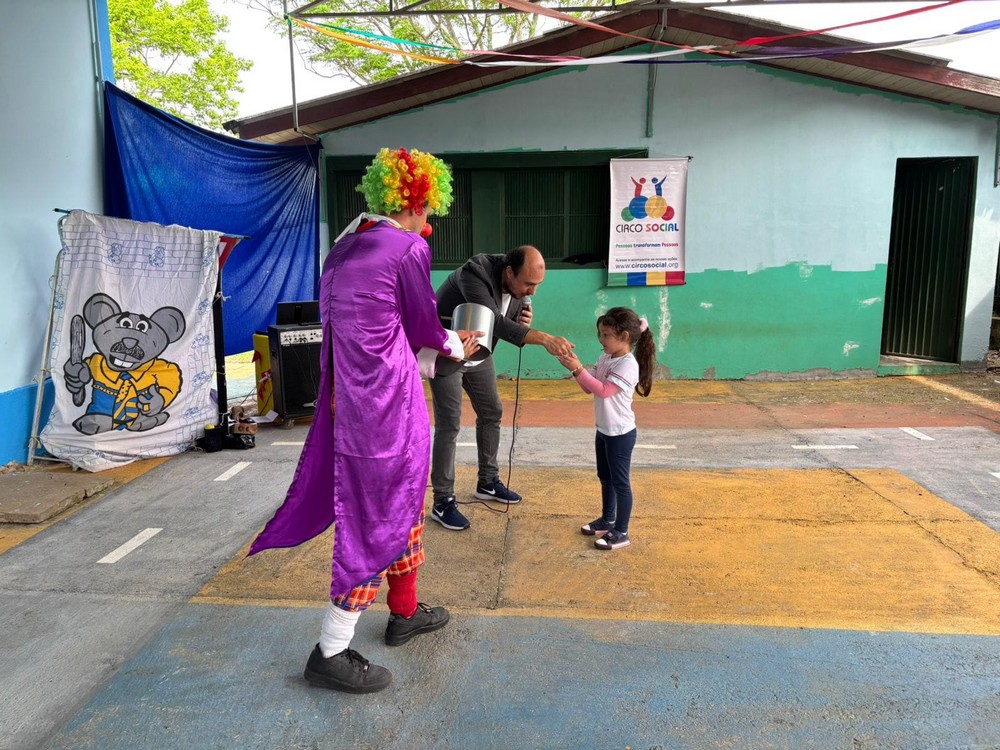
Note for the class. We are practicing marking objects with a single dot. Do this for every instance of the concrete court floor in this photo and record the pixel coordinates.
(793, 583)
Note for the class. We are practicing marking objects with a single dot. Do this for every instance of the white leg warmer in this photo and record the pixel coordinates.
(337, 631)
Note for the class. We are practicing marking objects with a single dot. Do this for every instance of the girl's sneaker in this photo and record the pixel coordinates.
(600, 527)
(613, 540)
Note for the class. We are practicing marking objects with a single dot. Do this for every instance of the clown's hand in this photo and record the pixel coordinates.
(470, 341)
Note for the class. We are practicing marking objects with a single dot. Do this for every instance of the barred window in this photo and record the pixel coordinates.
(557, 201)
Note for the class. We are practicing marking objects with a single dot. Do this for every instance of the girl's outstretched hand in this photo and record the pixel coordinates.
(569, 361)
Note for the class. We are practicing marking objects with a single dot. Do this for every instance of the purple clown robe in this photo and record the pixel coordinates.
(366, 470)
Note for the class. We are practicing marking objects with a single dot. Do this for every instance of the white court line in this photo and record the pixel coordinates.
(141, 538)
(916, 433)
(465, 445)
(292, 442)
(227, 475)
(959, 393)
(658, 447)
(995, 474)
(825, 447)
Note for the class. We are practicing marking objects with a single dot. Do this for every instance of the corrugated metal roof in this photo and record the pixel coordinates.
(901, 72)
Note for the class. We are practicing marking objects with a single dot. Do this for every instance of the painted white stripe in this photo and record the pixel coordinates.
(291, 442)
(959, 393)
(658, 447)
(825, 447)
(132, 544)
(227, 475)
(466, 445)
(916, 433)
(995, 474)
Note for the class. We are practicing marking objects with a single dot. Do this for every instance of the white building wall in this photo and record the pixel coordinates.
(51, 158)
(787, 168)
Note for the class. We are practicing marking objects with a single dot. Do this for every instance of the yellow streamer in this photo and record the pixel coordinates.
(369, 45)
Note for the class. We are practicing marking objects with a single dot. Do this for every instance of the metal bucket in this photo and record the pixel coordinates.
(472, 317)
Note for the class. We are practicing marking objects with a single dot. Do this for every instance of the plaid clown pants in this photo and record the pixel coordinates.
(361, 596)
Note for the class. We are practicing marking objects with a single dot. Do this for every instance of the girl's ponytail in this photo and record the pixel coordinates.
(645, 355)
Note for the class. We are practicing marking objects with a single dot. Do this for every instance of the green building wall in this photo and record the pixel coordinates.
(789, 209)
(793, 321)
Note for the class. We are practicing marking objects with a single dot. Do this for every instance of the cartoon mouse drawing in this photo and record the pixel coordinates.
(132, 387)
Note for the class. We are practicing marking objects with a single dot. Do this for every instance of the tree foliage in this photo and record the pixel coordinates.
(168, 54)
(361, 65)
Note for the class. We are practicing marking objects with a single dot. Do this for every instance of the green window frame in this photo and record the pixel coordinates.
(558, 201)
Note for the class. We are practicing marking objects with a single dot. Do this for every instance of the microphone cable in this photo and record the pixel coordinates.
(513, 435)
(510, 453)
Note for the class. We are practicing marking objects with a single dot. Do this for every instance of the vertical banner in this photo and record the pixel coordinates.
(648, 198)
(131, 352)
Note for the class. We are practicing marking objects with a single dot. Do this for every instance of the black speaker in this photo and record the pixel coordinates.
(295, 351)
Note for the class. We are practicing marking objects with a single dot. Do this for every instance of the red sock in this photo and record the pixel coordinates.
(402, 596)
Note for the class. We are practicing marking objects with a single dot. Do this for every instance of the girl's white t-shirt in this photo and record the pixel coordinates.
(614, 415)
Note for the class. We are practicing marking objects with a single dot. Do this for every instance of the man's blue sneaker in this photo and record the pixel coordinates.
(446, 513)
(496, 491)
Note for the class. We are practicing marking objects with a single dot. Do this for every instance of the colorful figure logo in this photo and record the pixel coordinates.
(655, 207)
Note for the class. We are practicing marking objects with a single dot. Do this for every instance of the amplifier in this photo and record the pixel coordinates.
(295, 351)
(295, 334)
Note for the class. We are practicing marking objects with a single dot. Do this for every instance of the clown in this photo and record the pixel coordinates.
(365, 461)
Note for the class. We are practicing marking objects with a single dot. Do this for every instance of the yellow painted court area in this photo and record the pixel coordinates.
(859, 550)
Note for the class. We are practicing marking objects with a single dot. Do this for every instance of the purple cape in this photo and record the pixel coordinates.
(367, 469)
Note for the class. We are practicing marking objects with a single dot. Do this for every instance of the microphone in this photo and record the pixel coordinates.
(525, 305)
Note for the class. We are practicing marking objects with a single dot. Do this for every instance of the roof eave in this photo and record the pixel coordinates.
(926, 77)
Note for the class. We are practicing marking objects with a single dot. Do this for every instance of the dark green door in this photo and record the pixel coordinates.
(928, 258)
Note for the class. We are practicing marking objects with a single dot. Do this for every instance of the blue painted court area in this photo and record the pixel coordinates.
(230, 677)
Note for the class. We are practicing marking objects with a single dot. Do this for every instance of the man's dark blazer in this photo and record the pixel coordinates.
(479, 280)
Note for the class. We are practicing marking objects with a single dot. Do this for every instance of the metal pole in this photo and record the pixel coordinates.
(222, 390)
(291, 66)
(33, 440)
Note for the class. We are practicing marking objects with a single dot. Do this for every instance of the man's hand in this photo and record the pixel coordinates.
(557, 346)
(554, 345)
(525, 316)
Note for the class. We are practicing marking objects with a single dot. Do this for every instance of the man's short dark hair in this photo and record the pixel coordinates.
(514, 259)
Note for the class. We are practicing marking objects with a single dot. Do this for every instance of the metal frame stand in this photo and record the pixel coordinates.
(34, 441)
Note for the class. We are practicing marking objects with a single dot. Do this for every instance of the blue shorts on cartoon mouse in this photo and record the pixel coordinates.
(131, 385)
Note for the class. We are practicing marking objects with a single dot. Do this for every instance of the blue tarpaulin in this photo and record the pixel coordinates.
(162, 169)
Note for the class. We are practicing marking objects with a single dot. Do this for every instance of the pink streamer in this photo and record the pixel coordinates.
(759, 40)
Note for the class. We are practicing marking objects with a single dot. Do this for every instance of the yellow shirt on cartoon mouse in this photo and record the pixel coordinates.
(117, 393)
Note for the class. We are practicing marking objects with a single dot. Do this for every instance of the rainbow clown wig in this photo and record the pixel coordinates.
(403, 180)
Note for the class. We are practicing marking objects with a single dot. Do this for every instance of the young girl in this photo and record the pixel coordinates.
(617, 373)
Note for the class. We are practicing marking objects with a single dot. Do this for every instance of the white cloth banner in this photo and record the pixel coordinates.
(648, 199)
(132, 346)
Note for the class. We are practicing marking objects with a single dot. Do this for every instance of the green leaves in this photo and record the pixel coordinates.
(167, 54)
(364, 65)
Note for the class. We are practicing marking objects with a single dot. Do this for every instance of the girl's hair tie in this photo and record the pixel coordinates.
(643, 324)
